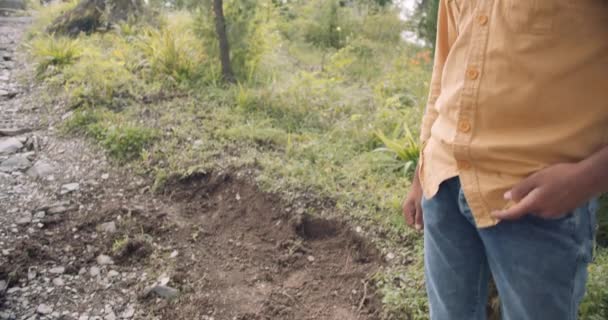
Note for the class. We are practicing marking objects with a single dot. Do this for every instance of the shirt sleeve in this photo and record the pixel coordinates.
(442, 48)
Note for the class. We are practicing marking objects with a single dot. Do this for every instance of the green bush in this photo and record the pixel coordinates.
(595, 304)
(49, 51)
(173, 53)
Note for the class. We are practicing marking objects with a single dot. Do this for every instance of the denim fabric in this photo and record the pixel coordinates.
(539, 265)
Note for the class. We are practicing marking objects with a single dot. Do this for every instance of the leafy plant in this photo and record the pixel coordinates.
(173, 53)
(50, 51)
(405, 150)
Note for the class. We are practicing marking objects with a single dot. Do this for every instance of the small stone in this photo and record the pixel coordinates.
(39, 215)
(174, 254)
(83, 317)
(31, 274)
(40, 169)
(5, 315)
(15, 163)
(128, 313)
(105, 176)
(3, 286)
(390, 256)
(11, 132)
(108, 227)
(57, 270)
(113, 273)
(103, 260)
(165, 292)
(67, 115)
(110, 316)
(94, 271)
(58, 282)
(24, 218)
(310, 258)
(69, 187)
(10, 146)
(57, 210)
(44, 309)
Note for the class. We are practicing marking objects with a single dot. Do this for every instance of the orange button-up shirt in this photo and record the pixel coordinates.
(517, 85)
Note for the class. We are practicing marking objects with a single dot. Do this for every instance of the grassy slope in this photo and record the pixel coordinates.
(305, 115)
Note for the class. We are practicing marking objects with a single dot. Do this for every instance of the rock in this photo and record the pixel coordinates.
(11, 5)
(128, 313)
(40, 169)
(164, 292)
(94, 271)
(108, 227)
(10, 146)
(69, 187)
(39, 215)
(15, 163)
(58, 210)
(6, 315)
(44, 309)
(3, 287)
(57, 270)
(103, 260)
(390, 256)
(105, 176)
(13, 132)
(24, 218)
(113, 273)
(174, 254)
(83, 317)
(58, 282)
(110, 316)
(31, 274)
(310, 258)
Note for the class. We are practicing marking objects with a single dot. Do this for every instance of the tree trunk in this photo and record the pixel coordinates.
(89, 15)
(85, 17)
(220, 28)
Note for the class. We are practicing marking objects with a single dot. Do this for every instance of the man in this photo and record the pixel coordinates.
(515, 149)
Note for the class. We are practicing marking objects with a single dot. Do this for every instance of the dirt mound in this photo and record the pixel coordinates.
(249, 258)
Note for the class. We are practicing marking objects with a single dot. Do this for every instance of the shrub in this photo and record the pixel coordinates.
(403, 146)
(173, 53)
(50, 51)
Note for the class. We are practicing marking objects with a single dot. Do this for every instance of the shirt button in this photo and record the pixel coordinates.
(482, 20)
(472, 74)
(464, 126)
(464, 165)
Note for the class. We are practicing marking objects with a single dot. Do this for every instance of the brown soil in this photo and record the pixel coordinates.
(251, 259)
(242, 255)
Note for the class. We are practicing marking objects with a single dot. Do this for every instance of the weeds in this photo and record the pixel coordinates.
(405, 149)
(50, 51)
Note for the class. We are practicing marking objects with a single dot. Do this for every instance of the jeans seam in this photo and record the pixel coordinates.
(573, 309)
(478, 289)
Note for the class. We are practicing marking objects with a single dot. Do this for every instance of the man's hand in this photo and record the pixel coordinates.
(549, 193)
(412, 210)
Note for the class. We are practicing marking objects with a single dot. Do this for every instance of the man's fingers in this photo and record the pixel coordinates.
(522, 189)
(520, 209)
(409, 212)
(419, 219)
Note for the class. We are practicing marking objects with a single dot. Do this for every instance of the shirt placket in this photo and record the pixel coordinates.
(465, 125)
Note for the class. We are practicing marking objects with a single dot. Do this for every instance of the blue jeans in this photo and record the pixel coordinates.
(539, 265)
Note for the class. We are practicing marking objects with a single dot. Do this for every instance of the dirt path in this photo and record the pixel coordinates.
(83, 239)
